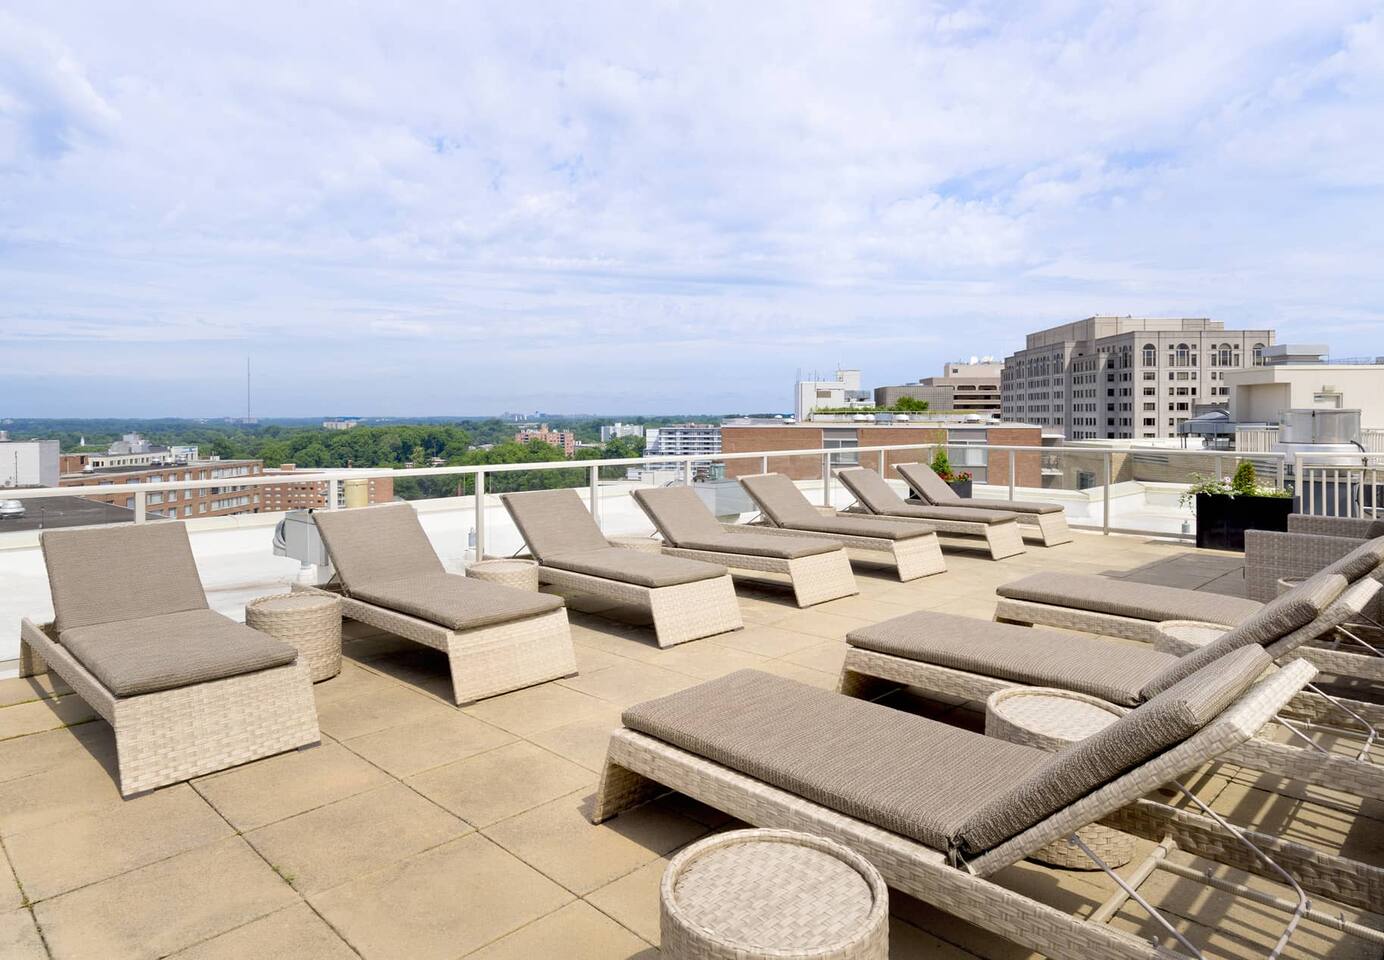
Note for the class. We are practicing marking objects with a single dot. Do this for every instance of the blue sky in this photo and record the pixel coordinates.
(449, 208)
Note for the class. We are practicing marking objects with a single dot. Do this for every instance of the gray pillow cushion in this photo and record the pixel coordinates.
(1275, 620)
(128, 572)
(1360, 562)
(457, 603)
(554, 522)
(678, 513)
(1136, 738)
(377, 545)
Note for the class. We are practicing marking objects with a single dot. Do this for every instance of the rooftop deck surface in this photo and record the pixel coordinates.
(417, 830)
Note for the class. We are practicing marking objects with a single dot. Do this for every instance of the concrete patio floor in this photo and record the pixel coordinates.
(420, 831)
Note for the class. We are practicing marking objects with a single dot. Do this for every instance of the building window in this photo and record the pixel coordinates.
(1258, 354)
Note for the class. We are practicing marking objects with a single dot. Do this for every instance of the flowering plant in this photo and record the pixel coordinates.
(1245, 483)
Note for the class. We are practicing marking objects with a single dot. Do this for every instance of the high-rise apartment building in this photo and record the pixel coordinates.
(614, 431)
(1125, 377)
(699, 440)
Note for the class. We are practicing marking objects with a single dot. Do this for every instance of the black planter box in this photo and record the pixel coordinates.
(962, 488)
(1222, 520)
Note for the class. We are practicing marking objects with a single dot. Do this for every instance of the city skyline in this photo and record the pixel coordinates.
(657, 211)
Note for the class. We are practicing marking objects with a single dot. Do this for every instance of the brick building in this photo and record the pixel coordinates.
(308, 491)
(565, 439)
(982, 462)
(214, 501)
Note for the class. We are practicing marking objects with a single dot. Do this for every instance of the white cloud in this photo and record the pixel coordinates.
(571, 201)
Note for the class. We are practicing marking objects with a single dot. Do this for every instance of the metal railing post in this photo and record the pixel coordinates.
(764, 464)
(1012, 457)
(478, 513)
(687, 473)
(333, 490)
(596, 495)
(1282, 482)
(826, 479)
(141, 499)
(1217, 462)
(1109, 478)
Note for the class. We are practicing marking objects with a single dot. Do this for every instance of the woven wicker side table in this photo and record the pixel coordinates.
(642, 544)
(309, 622)
(762, 894)
(1050, 719)
(1183, 636)
(510, 572)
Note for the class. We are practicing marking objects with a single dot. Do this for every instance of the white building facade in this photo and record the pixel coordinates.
(29, 463)
(701, 441)
(1300, 378)
(1126, 377)
(616, 430)
(843, 391)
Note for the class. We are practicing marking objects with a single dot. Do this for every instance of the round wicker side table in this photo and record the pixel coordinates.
(511, 572)
(773, 895)
(309, 622)
(1283, 584)
(1050, 719)
(642, 544)
(1183, 636)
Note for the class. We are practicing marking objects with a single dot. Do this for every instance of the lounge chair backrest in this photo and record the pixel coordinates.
(678, 513)
(871, 490)
(374, 545)
(554, 522)
(779, 499)
(1275, 620)
(120, 573)
(1344, 609)
(1138, 737)
(1237, 723)
(927, 484)
(1366, 559)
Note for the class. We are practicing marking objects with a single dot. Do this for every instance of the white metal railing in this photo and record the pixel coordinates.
(1311, 468)
(1340, 488)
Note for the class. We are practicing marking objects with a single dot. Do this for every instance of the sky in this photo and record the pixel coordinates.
(657, 207)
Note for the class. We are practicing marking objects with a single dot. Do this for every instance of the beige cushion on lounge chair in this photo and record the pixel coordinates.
(1113, 672)
(1271, 622)
(907, 774)
(1138, 736)
(120, 573)
(553, 522)
(871, 490)
(933, 489)
(684, 520)
(785, 504)
(928, 485)
(762, 545)
(371, 545)
(457, 603)
(1128, 598)
(172, 650)
(632, 566)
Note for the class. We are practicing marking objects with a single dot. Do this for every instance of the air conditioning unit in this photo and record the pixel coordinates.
(296, 536)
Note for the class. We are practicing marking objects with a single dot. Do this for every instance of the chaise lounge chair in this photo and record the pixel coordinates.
(817, 570)
(1309, 544)
(911, 548)
(940, 810)
(927, 487)
(186, 690)
(688, 599)
(496, 638)
(965, 657)
(999, 530)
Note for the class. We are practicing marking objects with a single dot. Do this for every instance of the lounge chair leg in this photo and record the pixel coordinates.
(862, 686)
(1004, 540)
(30, 663)
(622, 789)
(1054, 530)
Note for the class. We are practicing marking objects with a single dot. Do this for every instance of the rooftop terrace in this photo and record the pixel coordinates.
(417, 830)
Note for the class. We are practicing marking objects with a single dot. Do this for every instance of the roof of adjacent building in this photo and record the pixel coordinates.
(48, 513)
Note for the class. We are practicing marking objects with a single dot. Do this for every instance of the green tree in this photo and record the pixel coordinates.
(910, 405)
(1245, 482)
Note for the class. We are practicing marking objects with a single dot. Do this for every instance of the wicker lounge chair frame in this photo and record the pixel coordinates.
(912, 558)
(640, 768)
(1310, 544)
(174, 735)
(1002, 539)
(483, 661)
(681, 612)
(1052, 527)
(814, 579)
